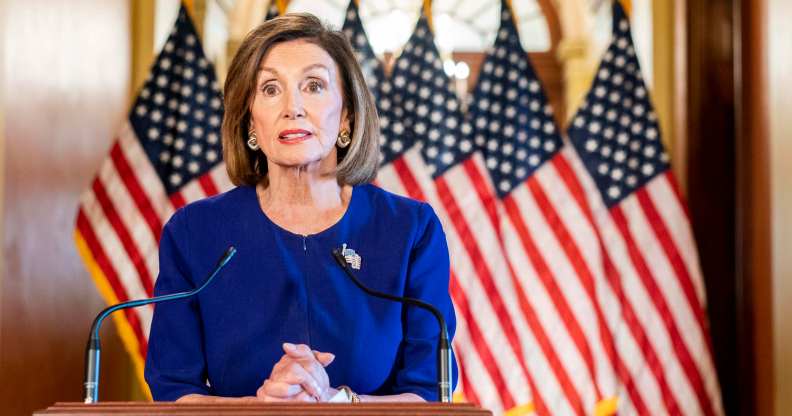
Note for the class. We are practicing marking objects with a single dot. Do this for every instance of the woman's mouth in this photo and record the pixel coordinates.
(294, 136)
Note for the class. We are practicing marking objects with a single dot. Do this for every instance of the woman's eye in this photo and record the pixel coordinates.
(269, 90)
(315, 86)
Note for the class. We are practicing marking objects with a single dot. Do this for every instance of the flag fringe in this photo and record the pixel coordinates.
(607, 407)
(523, 409)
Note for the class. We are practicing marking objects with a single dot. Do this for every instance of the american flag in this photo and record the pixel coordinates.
(555, 253)
(429, 154)
(649, 249)
(369, 63)
(166, 154)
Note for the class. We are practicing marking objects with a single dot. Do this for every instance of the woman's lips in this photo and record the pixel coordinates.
(294, 136)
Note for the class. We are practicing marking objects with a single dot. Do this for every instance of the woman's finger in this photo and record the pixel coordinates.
(324, 358)
(305, 397)
(297, 351)
(313, 361)
(278, 389)
(295, 373)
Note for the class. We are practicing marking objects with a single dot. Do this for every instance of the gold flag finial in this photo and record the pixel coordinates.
(427, 9)
(627, 5)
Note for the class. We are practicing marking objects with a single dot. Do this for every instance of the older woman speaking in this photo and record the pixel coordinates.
(300, 141)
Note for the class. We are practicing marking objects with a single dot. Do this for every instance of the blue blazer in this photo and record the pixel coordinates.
(284, 287)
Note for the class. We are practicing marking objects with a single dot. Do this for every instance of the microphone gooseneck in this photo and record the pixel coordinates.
(93, 350)
(444, 366)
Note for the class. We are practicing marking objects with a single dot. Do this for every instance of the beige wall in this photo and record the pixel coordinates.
(65, 80)
(779, 83)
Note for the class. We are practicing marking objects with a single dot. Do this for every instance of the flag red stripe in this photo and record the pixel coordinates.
(651, 358)
(575, 188)
(207, 184)
(512, 211)
(177, 199)
(489, 202)
(104, 263)
(408, 179)
(460, 300)
(485, 194)
(680, 349)
(467, 384)
(414, 190)
(483, 273)
(570, 179)
(136, 191)
(479, 264)
(677, 263)
(575, 258)
(680, 270)
(548, 280)
(669, 176)
(131, 249)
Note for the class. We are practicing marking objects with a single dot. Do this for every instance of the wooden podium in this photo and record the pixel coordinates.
(266, 409)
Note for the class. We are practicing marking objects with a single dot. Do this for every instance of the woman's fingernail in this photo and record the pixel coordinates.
(289, 346)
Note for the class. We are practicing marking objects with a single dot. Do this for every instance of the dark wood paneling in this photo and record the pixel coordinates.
(66, 81)
(753, 212)
(711, 143)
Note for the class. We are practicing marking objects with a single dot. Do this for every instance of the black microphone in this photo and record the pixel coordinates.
(94, 345)
(443, 347)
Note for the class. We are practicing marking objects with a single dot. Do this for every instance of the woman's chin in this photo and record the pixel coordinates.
(303, 163)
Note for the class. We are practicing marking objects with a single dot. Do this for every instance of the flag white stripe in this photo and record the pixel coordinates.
(108, 239)
(495, 259)
(192, 191)
(571, 291)
(673, 216)
(562, 341)
(615, 246)
(469, 281)
(666, 279)
(583, 236)
(675, 219)
(477, 298)
(388, 179)
(583, 233)
(464, 272)
(544, 375)
(144, 172)
(668, 282)
(647, 315)
(219, 176)
(130, 217)
(475, 370)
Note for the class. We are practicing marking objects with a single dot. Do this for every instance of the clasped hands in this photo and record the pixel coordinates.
(299, 376)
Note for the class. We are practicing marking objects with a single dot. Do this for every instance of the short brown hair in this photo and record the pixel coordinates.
(357, 163)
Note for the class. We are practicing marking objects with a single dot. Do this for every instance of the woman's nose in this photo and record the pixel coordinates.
(294, 105)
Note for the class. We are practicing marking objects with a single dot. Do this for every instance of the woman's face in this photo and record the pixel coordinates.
(298, 107)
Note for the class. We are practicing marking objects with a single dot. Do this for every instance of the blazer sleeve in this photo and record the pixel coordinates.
(427, 279)
(175, 362)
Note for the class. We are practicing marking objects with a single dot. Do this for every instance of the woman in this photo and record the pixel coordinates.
(300, 140)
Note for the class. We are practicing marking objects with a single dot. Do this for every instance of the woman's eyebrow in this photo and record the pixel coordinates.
(268, 69)
(306, 69)
(316, 66)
